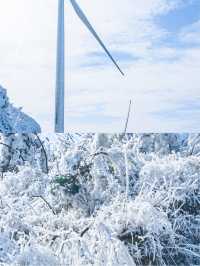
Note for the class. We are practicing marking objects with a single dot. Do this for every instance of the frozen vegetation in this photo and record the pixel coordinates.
(103, 200)
(12, 119)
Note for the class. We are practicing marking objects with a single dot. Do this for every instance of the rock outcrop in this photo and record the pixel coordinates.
(13, 120)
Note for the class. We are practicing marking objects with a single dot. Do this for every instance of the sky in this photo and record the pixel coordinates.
(155, 42)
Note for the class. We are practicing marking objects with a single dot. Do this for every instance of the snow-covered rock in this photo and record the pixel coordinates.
(13, 120)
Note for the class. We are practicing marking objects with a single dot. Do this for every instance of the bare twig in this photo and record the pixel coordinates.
(99, 153)
(6, 145)
(47, 203)
(45, 154)
(127, 118)
(84, 231)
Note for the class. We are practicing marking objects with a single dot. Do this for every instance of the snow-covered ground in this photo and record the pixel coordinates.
(103, 200)
(12, 119)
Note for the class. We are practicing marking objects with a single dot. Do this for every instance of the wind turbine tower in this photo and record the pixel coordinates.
(60, 70)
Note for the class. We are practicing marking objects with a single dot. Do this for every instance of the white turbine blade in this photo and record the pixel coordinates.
(84, 19)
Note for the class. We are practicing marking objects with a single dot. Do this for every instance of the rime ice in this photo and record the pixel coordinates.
(86, 211)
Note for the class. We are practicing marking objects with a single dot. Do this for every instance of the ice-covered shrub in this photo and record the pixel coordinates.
(22, 149)
(28, 181)
(194, 144)
(8, 248)
(172, 178)
(106, 200)
(34, 256)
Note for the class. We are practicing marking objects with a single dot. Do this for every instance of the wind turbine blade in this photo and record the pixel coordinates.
(84, 19)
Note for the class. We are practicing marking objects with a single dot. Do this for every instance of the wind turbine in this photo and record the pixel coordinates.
(60, 68)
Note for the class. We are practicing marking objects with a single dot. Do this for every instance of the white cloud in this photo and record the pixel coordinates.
(191, 33)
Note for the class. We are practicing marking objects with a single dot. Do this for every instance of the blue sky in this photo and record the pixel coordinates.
(156, 42)
(185, 14)
(175, 21)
